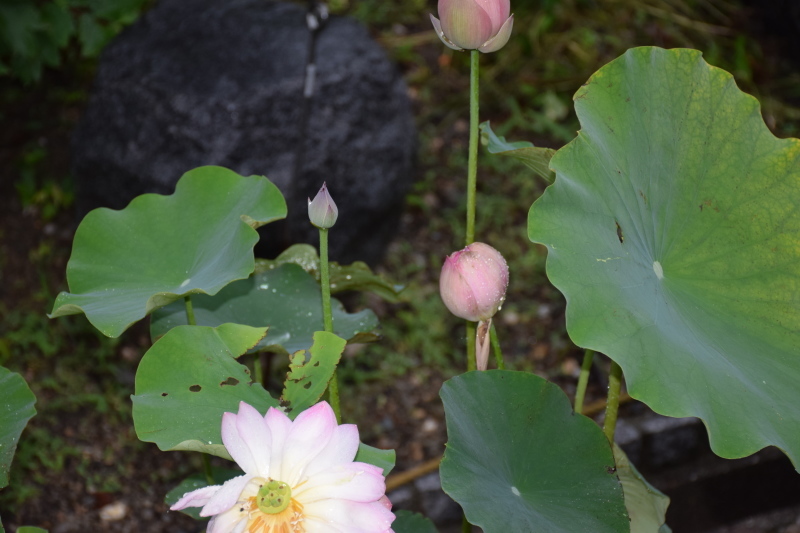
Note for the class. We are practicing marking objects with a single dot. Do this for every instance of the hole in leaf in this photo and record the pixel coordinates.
(316, 364)
(620, 236)
(229, 381)
(195, 388)
(164, 394)
(307, 385)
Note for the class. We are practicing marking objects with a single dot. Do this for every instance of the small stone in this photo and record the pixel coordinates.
(114, 511)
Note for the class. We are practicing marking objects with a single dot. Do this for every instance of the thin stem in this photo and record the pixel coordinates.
(583, 380)
(189, 310)
(472, 330)
(612, 405)
(207, 469)
(327, 317)
(466, 527)
(498, 353)
(325, 280)
(472, 165)
(258, 366)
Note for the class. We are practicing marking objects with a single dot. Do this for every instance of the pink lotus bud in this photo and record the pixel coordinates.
(473, 282)
(483, 25)
(322, 211)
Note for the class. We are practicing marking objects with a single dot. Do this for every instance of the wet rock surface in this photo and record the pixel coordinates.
(203, 82)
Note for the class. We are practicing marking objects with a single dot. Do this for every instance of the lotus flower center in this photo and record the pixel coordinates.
(274, 497)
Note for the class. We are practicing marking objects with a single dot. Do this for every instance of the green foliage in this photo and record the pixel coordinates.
(127, 263)
(537, 159)
(308, 376)
(34, 35)
(646, 505)
(188, 379)
(672, 231)
(408, 522)
(286, 299)
(355, 277)
(381, 458)
(519, 459)
(17, 401)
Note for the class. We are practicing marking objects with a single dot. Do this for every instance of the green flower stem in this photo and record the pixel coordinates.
(207, 469)
(472, 330)
(187, 300)
(327, 316)
(583, 380)
(472, 179)
(189, 310)
(498, 353)
(472, 165)
(466, 527)
(612, 404)
(259, 368)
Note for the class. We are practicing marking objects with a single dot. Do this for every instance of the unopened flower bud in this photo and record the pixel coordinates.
(483, 25)
(322, 210)
(473, 282)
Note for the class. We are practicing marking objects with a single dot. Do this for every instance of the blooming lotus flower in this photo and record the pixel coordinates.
(483, 25)
(322, 211)
(473, 287)
(298, 477)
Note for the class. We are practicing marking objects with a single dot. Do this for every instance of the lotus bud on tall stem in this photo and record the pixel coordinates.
(473, 287)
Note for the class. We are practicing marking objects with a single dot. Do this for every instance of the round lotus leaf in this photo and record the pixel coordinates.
(287, 299)
(672, 229)
(519, 458)
(126, 263)
(16, 409)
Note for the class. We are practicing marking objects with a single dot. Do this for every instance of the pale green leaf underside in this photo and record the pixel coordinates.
(286, 299)
(646, 505)
(125, 264)
(672, 229)
(519, 459)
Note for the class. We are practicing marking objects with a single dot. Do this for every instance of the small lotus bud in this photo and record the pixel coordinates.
(473, 282)
(322, 211)
(483, 25)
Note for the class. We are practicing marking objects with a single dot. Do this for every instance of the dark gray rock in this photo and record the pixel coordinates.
(211, 82)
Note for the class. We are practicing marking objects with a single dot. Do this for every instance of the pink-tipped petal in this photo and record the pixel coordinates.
(279, 425)
(227, 496)
(311, 432)
(499, 41)
(254, 432)
(465, 23)
(196, 498)
(437, 26)
(341, 449)
(358, 482)
(498, 11)
(352, 517)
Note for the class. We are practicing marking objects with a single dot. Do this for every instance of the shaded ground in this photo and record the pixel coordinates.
(80, 460)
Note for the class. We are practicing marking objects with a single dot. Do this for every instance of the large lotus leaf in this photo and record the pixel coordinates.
(646, 505)
(16, 408)
(127, 263)
(354, 277)
(188, 379)
(672, 230)
(519, 458)
(286, 299)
